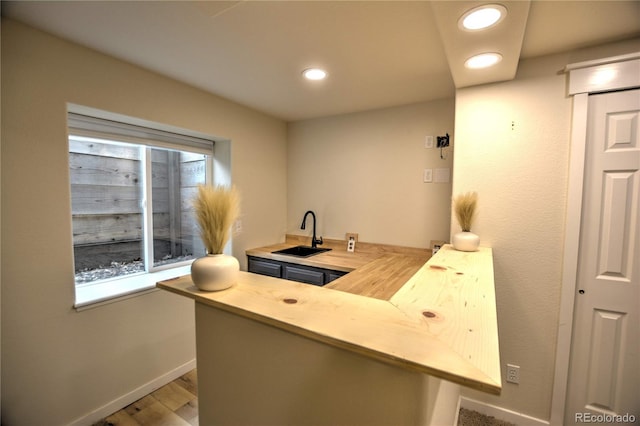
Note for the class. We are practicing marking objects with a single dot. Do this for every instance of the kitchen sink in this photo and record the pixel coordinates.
(301, 251)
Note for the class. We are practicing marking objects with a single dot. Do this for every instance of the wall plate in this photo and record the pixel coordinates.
(351, 241)
(428, 142)
(427, 175)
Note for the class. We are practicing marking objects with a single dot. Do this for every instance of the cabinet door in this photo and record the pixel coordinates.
(264, 267)
(303, 275)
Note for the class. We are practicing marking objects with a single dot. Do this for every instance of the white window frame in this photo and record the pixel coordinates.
(90, 123)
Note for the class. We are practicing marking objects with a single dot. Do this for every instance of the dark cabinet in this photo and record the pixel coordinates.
(292, 271)
(303, 275)
(265, 267)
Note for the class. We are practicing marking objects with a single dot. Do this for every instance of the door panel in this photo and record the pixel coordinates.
(606, 357)
(604, 375)
(622, 133)
(617, 218)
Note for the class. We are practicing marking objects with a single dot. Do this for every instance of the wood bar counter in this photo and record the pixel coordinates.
(361, 350)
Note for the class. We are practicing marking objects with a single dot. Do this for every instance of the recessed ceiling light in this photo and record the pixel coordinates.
(483, 60)
(482, 17)
(314, 74)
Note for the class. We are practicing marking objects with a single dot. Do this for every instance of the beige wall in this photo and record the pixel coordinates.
(363, 173)
(512, 147)
(58, 364)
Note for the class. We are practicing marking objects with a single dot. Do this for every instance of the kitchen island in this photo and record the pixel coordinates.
(272, 351)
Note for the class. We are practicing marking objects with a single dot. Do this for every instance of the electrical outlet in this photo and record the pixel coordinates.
(513, 373)
(351, 241)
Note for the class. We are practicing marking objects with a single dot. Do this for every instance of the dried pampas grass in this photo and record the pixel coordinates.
(465, 208)
(217, 208)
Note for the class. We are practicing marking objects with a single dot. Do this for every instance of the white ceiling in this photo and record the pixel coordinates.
(378, 53)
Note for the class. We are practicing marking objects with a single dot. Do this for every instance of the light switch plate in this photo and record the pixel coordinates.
(428, 142)
(427, 175)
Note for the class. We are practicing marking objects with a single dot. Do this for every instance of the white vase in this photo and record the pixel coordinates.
(466, 241)
(215, 272)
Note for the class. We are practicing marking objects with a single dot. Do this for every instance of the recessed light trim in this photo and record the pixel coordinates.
(483, 60)
(314, 74)
(482, 17)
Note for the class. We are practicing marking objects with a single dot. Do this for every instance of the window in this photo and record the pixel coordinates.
(131, 192)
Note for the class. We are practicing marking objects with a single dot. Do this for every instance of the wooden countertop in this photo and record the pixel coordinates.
(441, 321)
(375, 270)
(338, 258)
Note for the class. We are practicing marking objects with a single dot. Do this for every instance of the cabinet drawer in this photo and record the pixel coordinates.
(265, 268)
(303, 275)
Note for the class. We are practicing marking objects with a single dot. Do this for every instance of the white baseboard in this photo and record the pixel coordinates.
(500, 413)
(131, 397)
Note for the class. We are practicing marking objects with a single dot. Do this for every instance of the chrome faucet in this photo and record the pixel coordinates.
(314, 240)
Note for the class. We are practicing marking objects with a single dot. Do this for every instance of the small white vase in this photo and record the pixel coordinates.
(215, 272)
(466, 241)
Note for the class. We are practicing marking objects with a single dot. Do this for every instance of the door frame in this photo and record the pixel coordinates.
(585, 78)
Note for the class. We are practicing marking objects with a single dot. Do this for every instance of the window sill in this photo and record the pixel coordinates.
(93, 295)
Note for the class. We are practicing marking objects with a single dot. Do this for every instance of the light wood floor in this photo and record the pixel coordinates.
(175, 404)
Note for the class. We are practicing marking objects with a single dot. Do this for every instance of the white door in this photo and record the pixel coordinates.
(604, 375)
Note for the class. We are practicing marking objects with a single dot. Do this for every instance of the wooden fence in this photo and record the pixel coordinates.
(107, 197)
